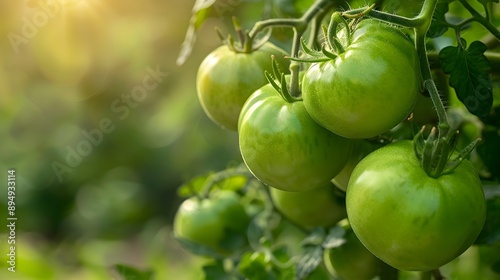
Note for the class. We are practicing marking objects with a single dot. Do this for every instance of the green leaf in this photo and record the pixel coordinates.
(253, 265)
(233, 183)
(496, 267)
(489, 150)
(194, 186)
(309, 261)
(316, 237)
(132, 273)
(335, 238)
(198, 249)
(199, 15)
(469, 76)
(216, 271)
(490, 234)
(438, 27)
(292, 8)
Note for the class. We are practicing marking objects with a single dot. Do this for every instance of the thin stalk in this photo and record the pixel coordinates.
(425, 275)
(299, 23)
(392, 18)
(295, 66)
(484, 21)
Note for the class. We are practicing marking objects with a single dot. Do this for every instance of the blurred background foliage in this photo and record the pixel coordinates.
(70, 62)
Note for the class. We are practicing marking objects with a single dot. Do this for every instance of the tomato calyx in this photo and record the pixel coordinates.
(279, 82)
(436, 154)
(332, 46)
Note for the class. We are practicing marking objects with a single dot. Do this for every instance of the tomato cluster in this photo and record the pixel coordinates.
(308, 149)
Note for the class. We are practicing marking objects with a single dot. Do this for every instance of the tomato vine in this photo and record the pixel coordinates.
(285, 143)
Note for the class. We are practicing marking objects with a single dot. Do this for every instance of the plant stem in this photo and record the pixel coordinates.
(425, 275)
(420, 32)
(395, 19)
(274, 22)
(295, 66)
(299, 26)
(299, 23)
(436, 273)
(213, 179)
(484, 21)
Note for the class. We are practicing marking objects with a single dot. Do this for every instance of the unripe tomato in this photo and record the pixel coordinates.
(361, 149)
(286, 149)
(369, 88)
(211, 222)
(226, 79)
(351, 260)
(319, 207)
(408, 219)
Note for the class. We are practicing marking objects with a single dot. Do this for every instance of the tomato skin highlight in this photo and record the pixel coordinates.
(369, 88)
(409, 220)
(284, 148)
(226, 79)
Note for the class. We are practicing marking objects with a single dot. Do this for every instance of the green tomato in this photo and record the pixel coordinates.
(369, 88)
(408, 219)
(226, 79)
(361, 149)
(218, 222)
(351, 260)
(284, 148)
(319, 207)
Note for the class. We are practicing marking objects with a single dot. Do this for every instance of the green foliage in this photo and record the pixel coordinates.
(469, 71)
(132, 273)
(273, 253)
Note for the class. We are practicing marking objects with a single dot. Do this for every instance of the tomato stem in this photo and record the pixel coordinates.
(214, 179)
(300, 23)
(436, 273)
(331, 32)
(483, 20)
(392, 18)
(299, 26)
(425, 275)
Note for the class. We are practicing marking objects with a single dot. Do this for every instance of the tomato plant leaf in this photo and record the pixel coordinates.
(197, 249)
(489, 150)
(316, 237)
(490, 234)
(335, 238)
(132, 273)
(194, 186)
(309, 261)
(199, 15)
(253, 265)
(216, 271)
(438, 27)
(292, 8)
(469, 76)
